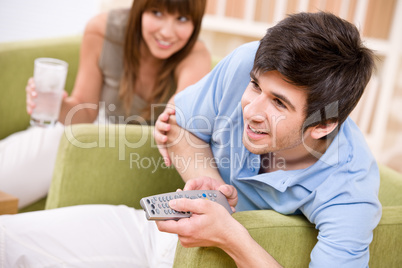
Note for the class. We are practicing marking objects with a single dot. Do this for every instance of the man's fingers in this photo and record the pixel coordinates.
(228, 190)
(171, 226)
(160, 138)
(197, 206)
(194, 184)
(231, 194)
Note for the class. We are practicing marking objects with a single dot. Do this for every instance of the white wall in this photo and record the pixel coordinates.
(33, 19)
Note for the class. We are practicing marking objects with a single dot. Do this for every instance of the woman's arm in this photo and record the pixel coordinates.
(194, 67)
(89, 79)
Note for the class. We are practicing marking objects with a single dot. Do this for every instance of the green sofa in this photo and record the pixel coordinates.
(120, 164)
(123, 165)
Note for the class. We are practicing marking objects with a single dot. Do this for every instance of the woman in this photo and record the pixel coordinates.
(129, 60)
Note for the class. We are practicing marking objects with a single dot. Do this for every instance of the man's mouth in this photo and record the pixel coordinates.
(257, 131)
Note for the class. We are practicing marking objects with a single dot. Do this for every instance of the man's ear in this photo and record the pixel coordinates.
(322, 130)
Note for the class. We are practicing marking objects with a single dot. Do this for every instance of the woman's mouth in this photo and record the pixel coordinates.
(164, 44)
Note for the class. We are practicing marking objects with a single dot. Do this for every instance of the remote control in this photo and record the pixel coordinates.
(156, 207)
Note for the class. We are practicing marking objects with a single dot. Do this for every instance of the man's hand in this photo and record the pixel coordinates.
(162, 126)
(207, 183)
(210, 224)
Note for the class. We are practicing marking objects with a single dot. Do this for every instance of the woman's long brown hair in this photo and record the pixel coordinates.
(194, 9)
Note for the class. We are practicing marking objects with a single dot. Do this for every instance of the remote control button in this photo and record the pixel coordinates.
(157, 211)
(149, 202)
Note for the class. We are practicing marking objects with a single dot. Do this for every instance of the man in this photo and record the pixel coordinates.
(300, 153)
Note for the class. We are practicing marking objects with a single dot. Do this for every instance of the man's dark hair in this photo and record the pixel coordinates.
(322, 54)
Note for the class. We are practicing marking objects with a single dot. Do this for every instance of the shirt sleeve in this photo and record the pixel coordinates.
(217, 94)
(343, 241)
(346, 223)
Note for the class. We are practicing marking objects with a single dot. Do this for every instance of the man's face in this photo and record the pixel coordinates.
(273, 114)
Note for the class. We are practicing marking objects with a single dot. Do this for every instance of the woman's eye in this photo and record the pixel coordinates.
(183, 19)
(157, 13)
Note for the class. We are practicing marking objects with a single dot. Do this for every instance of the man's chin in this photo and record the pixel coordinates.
(255, 148)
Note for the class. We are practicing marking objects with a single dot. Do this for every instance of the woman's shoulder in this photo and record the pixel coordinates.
(97, 24)
(201, 48)
(199, 53)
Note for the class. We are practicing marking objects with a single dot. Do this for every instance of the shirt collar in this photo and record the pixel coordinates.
(280, 180)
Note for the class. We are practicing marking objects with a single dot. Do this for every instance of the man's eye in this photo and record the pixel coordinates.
(255, 85)
(279, 103)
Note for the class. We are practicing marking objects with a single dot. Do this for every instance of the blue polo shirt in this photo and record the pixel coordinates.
(339, 193)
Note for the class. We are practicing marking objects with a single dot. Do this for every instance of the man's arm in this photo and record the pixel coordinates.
(212, 226)
(191, 156)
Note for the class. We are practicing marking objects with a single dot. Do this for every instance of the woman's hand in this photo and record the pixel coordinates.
(32, 94)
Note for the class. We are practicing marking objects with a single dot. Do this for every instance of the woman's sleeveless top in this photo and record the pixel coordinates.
(111, 64)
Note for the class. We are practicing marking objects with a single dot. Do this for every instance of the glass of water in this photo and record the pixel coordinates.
(50, 77)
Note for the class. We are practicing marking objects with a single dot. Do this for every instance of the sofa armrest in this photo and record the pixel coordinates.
(290, 239)
(17, 62)
(109, 164)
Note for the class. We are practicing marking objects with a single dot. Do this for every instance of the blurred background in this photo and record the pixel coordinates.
(230, 23)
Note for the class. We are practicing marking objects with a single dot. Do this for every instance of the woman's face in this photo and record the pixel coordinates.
(165, 33)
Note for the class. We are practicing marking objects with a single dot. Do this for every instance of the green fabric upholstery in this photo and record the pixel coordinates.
(96, 175)
(17, 61)
(119, 169)
(290, 239)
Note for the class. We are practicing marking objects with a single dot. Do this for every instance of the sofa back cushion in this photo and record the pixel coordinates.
(17, 61)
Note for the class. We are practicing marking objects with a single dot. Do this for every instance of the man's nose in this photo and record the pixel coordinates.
(253, 110)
